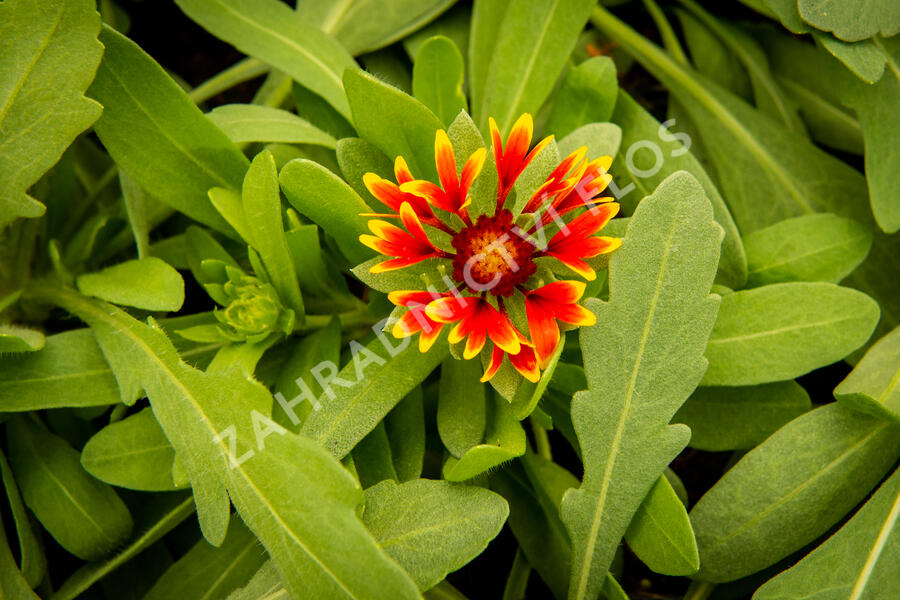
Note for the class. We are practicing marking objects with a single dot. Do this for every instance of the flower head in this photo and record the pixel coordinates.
(493, 256)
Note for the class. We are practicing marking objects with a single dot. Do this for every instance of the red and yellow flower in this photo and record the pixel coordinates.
(490, 256)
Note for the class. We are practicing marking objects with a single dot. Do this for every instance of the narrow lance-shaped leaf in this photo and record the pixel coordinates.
(272, 32)
(532, 42)
(213, 420)
(766, 173)
(158, 136)
(820, 247)
(261, 198)
(85, 516)
(48, 55)
(148, 283)
(587, 95)
(784, 330)
(438, 78)
(358, 396)
(31, 554)
(367, 25)
(658, 319)
(790, 489)
(253, 123)
(874, 385)
(858, 562)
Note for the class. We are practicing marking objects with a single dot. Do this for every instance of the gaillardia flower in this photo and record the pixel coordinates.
(491, 260)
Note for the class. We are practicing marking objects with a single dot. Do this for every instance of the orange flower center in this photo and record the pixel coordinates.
(491, 256)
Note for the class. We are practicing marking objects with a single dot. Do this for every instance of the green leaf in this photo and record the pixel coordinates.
(11, 578)
(874, 385)
(261, 199)
(322, 196)
(453, 24)
(368, 25)
(658, 318)
(356, 157)
(462, 406)
(253, 123)
(405, 426)
(601, 139)
(504, 440)
(15, 339)
(148, 283)
(85, 516)
(875, 105)
(372, 458)
(740, 418)
(270, 31)
(132, 453)
(784, 330)
(218, 423)
(711, 57)
(790, 490)
(518, 70)
(32, 560)
(852, 21)
(158, 136)
(396, 123)
(820, 247)
(359, 396)
(433, 527)
(207, 572)
(466, 139)
(766, 174)
(69, 371)
(639, 176)
(587, 95)
(856, 562)
(438, 78)
(768, 97)
(48, 55)
(660, 533)
(820, 84)
(162, 518)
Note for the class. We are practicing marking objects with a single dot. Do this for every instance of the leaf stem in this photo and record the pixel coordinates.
(517, 582)
(670, 40)
(541, 440)
(699, 590)
(237, 73)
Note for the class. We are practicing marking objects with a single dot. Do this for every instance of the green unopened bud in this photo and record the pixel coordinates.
(254, 311)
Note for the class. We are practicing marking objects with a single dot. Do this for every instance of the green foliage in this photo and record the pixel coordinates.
(249, 123)
(587, 95)
(872, 386)
(739, 418)
(132, 453)
(48, 55)
(273, 33)
(156, 134)
(658, 317)
(820, 247)
(438, 78)
(85, 516)
(432, 527)
(785, 330)
(790, 490)
(148, 283)
(852, 21)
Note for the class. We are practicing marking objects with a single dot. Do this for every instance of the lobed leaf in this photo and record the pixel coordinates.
(48, 56)
(658, 317)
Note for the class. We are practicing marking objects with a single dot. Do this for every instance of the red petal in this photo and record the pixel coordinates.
(561, 292)
(494, 365)
(445, 162)
(542, 326)
(401, 171)
(526, 363)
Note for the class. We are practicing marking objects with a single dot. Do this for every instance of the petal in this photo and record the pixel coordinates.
(494, 365)
(412, 297)
(561, 292)
(456, 334)
(445, 162)
(406, 325)
(471, 170)
(576, 264)
(475, 342)
(449, 309)
(526, 363)
(519, 138)
(401, 170)
(542, 327)
(411, 221)
(427, 338)
(575, 314)
(398, 263)
(501, 331)
(496, 144)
